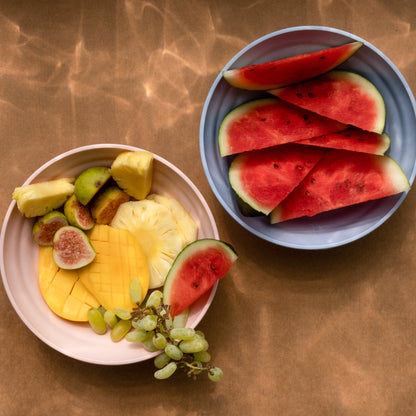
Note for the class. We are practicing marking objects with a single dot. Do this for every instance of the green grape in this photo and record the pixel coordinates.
(159, 341)
(166, 371)
(101, 310)
(122, 313)
(96, 321)
(149, 346)
(215, 374)
(155, 299)
(200, 334)
(202, 356)
(193, 345)
(120, 329)
(110, 318)
(135, 290)
(138, 335)
(173, 352)
(182, 333)
(161, 360)
(179, 321)
(148, 323)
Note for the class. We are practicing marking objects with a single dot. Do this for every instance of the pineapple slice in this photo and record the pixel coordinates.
(38, 199)
(119, 259)
(155, 229)
(62, 290)
(133, 172)
(187, 228)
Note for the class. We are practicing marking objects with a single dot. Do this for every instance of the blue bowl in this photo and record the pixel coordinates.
(334, 228)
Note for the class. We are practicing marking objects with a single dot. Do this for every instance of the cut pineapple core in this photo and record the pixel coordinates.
(38, 199)
(186, 226)
(155, 229)
(63, 292)
(133, 172)
(119, 259)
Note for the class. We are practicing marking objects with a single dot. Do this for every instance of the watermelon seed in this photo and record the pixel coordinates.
(263, 119)
(311, 94)
(299, 167)
(347, 135)
(195, 284)
(305, 116)
(322, 57)
(307, 193)
(313, 180)
(299, 95)
(276, 166)
(288, 122)
(213, 267)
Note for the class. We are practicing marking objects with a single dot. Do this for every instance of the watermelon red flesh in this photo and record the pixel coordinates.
(290, 70)
(340, 95)
(263, 178)
(268, 122)
(195, 270)
(353, 139)
(341, 179)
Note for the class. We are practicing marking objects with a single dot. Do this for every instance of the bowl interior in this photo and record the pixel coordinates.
(20, 261)
(333, 228)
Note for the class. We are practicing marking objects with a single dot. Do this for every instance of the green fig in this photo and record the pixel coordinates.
(89, 182)
(105, 205)
(78, 215)
(72, 248)
(45, 227)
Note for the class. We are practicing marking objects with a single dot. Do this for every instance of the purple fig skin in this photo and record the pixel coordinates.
(45, 227)
(72, 248)
(78, 215)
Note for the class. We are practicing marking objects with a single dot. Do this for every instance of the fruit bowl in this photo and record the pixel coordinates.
(340, 226)
(19, 259)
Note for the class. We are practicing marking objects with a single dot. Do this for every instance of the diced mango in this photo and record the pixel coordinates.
(62, 289)
(119, 259)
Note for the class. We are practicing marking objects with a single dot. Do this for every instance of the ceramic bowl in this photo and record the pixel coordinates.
(333, 228)
(19, 259)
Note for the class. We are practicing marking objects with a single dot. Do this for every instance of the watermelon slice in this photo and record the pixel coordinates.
(263, 178)
(267, 122)
(342, 178)
(353, 139)
(278, 73)
(195, 270)
(341, 95)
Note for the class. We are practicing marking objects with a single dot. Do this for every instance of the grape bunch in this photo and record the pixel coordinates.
(152, 326)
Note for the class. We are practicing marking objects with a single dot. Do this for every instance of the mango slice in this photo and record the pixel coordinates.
(119, 258)
(62, 290)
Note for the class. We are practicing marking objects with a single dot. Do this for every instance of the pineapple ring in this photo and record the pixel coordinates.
(155, 229)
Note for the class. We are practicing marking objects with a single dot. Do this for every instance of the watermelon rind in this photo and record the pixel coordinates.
(175, 280)
(263, 178)
(290, 70)
(266, 122)
(341, 95)
(364, 177)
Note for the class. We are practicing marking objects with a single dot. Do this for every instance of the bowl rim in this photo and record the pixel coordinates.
(12, 207)
(207, 103)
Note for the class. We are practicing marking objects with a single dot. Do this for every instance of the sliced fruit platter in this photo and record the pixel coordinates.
(303, 138)
(93, 236)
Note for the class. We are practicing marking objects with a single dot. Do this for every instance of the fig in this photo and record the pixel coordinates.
(105, 205)
(89, 182)
(72, 248)
(45, 227)
(77, 214)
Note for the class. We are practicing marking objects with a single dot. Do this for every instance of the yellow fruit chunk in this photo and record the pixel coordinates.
(119, 259)
(62, 290)
(155, 229)
(133, 172)
(38, 199)
(186, 226)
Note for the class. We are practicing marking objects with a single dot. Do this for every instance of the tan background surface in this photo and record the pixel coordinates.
(296, 333)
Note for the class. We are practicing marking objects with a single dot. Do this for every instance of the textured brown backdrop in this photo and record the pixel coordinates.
(296, 333)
